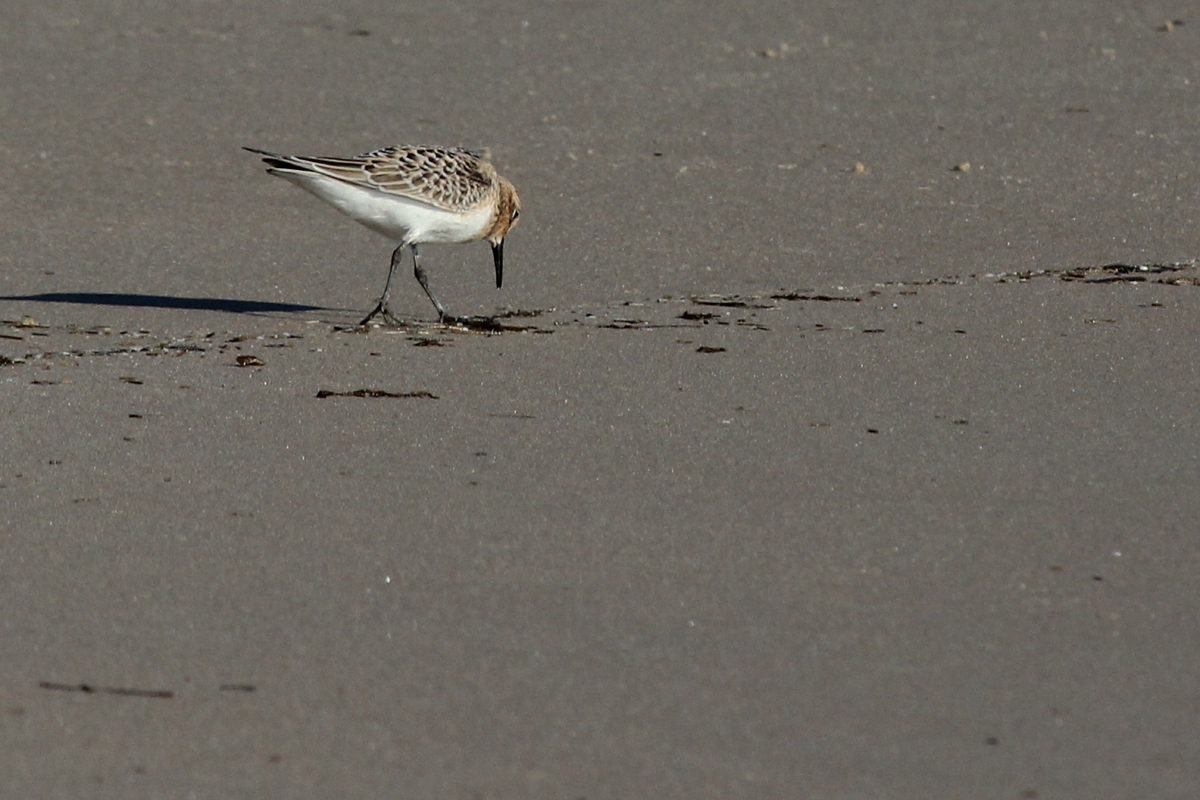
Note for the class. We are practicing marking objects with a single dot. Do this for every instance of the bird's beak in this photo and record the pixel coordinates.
(498, 255)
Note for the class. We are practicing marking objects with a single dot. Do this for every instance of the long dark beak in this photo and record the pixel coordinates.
(498, 255)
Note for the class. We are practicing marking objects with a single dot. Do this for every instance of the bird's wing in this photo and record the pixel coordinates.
(453, 179)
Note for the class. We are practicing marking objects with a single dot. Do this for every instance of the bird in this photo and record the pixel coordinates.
(413, 194)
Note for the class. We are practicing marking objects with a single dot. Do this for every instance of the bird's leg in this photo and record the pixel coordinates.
(424, 281)
(381, 308)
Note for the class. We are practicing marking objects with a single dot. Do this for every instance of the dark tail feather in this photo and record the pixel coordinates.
(276, 160)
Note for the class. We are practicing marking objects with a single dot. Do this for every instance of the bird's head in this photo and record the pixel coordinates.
(508, 211)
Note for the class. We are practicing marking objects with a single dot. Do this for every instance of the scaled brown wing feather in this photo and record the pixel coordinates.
(452, 179)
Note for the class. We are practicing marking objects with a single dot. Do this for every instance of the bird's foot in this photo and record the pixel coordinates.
(383, 312)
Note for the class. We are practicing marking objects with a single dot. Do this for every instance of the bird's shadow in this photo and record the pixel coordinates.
(225, 304)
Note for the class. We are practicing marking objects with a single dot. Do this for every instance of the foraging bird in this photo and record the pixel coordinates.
(414, 195)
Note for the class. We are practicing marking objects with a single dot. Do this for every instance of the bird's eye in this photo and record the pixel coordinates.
(516, 214)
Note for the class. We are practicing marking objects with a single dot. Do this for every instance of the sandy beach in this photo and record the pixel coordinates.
(834, 433)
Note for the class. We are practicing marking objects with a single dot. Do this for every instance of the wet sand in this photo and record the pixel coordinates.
(841, 442)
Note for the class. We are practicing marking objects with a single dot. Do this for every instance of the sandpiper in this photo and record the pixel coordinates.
(412, 194)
